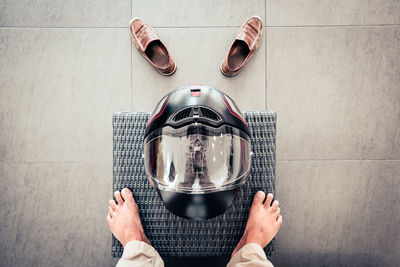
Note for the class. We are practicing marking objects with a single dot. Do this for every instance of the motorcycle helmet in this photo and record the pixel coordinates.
(197, 151)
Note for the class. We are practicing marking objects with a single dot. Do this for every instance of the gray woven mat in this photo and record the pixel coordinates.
(174, 236)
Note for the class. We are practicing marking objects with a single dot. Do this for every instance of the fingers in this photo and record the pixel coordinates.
(259, 198)
(268, 200)
(127, 195)
(117, 196)
(113, 205)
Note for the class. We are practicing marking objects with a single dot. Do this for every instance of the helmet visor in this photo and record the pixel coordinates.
(197, 158)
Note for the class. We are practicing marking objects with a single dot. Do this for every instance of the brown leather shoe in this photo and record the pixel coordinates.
(243, 47)
(150, 46)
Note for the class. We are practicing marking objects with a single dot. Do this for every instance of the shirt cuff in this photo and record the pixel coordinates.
(252, 248)
(134, 247)
(250, 253)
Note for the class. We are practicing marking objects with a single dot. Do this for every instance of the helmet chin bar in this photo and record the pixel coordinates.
(198, 206)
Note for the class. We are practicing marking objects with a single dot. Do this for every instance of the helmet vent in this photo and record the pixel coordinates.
(210, 114)
(183, 114)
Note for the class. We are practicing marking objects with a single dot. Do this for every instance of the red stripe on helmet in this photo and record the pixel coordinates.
(231, 110)
(161, 111)
(242, 155)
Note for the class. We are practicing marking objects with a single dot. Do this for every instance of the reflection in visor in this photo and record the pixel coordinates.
(196, 165)
(196, 158)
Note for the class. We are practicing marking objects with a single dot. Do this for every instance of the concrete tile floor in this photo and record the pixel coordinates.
(330, 70)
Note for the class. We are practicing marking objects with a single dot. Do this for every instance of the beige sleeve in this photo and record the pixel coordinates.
(138, 253)
(250, 255)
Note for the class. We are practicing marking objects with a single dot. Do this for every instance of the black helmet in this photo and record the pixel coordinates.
(197, 151)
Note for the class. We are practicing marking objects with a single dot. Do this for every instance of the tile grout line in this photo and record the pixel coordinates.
(66, 27)
(323, 160)
(333, 26)
(107, 162)
(54, 162)
(131, 64)
(266, 58)
(131, 80)
(207, 26)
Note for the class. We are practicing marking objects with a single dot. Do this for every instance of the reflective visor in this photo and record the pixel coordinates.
(197, 158)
